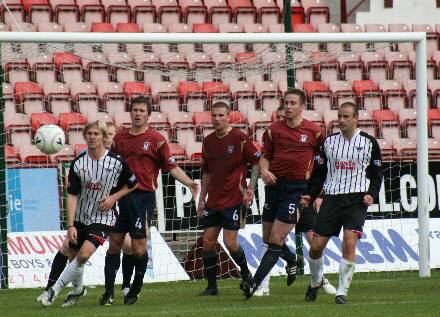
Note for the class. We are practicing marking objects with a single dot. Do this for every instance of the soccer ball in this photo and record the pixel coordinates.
(49, 138)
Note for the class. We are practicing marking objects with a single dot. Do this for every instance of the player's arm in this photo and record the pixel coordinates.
(374, 173)
(181, 176)
(73, 191)
(206, 179)
(317, 180)
(264, 163)
(252, 156)
(127, 183)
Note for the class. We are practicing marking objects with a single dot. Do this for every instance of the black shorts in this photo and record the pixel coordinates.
(96, 233)
(230, 219)
(337, 211)
(136, 210)
(282, 201)
(307, 219)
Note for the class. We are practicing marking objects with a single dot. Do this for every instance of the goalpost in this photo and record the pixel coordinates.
(173, 197)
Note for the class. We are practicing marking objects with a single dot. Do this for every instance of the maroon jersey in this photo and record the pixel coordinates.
(291, 150)
(226, 161)
(145, 154)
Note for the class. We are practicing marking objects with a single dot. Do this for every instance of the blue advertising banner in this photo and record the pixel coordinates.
(33, 199)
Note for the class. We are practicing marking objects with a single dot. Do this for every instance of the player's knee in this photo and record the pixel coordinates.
(82, 258)
(231, 244)
(208, 243)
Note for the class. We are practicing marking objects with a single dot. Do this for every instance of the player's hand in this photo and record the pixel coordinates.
(317, 204)
(305, 200)
(201, 208)
(72, 235)
(107, 203)
(194, 188)
(368, 200)
(248, 198)
(267, 177)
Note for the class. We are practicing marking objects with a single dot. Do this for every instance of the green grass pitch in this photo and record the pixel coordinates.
(371, 294)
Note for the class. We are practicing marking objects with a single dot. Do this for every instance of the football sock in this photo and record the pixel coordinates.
(265, 282)
(140, 267)
(72, 272)
(270, 258)
(346, 271)
(77, 282)
(240, 258)
(112, 263)
(58, 265)
(316, 269)
(127, 269)
(288, 255)
(210, 264)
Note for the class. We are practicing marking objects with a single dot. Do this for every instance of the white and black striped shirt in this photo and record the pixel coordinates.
(348, 166)
(93, 180)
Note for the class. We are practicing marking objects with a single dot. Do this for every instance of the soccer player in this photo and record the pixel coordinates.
(280, 114)
(226, 154)
(127, 254)
(145, 151)
(97, 179)
(286, 165)
(350, 173)
(62, 256)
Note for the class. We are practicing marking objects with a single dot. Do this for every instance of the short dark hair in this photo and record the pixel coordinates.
(221, 104)
(298, 92)
(141, 100)
(280, 108)
(351, 105)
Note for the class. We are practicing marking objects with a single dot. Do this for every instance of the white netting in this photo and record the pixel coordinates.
(69, 84)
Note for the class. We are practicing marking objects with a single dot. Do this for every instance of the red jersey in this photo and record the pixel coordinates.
(291, 150)
(145, 154)
(226, 161)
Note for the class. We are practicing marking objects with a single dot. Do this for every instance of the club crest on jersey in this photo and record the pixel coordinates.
(172, 159)
(231, 149)
(303, 138)
(359, 148)
(146, 146)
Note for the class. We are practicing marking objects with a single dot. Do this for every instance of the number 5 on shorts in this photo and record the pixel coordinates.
(292, 208)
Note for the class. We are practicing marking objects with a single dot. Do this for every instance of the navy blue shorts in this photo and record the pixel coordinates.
(230, 219)
(282, 201)
(307, 219)
(136, 210)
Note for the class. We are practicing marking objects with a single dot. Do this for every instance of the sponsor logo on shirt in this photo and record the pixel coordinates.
(231, 149)
(94, 186)
(146, 146)
(359, 148)
(303, 138)
(346, 165)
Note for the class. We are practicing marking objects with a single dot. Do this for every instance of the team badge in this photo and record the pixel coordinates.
(146, 146)
(377, 162)
(231, 149)
(303, 138)
(258, 154)
(172, 159)
(359, 148)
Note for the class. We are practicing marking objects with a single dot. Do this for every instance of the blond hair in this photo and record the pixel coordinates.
(98, 124)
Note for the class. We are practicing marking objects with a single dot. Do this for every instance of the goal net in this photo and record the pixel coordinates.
(71, 83)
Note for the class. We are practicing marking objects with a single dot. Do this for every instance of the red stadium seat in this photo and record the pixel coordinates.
(76, 27)
(65, 11)
(73, 124)
(177, 151)
(12, 155)
(28, 96)
(132, 89)
(65, 155)
(38, 11)
(102, 27)
(192, 95)
(434, 87)
(243, 11)
(79, 148)
(86, 100)
(113, 97)
(58, 97)
(216, 90)
(258, 122)
(193, 11)
(205, 28)
(316, 10)
(31, 155)
(128, 28)
(17, 72)
(194, 151)
(143, 11)
(39, 119)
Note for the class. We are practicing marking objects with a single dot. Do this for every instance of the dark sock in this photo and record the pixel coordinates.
(210, 263)
(288, 255)
(58, 265)
(112, 263)
(127, 269)
(140, 266)
(240, 258)
(268, 261)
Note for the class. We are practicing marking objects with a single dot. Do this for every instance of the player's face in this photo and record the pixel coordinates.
(220, 118)
(292, 106)
(139, 115)
(111, 134)
(94, 139)
(280, 115)
(347, 120)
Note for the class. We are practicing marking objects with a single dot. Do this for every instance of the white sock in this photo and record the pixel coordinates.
(316, 269)
(346, 271)
(70, 273)
(265, 282)
(78, 281)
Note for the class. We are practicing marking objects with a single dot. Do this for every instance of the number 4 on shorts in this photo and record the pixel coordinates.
(138, 223)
